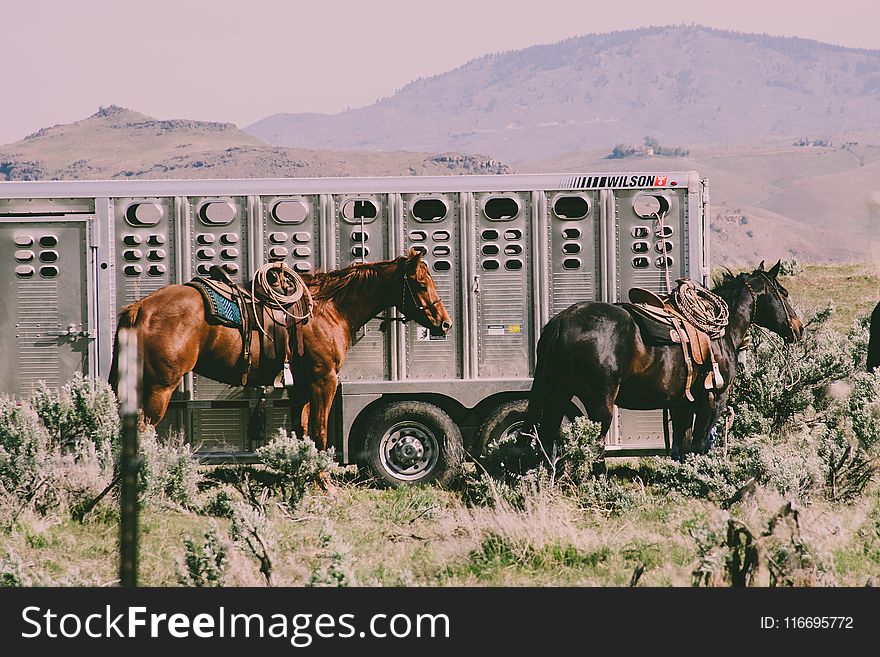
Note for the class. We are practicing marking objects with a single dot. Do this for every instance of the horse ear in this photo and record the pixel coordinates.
(774, 270)
(413, 258)
(760, 267)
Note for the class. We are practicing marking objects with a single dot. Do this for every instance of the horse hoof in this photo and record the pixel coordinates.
(326, 484)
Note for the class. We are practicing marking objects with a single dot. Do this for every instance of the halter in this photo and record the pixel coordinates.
(775, 289)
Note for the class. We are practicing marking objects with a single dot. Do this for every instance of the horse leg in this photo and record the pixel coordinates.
(156, 400)
(600, 408)
(707, 415)
(323, 392)
(682, 418)
(299, 411)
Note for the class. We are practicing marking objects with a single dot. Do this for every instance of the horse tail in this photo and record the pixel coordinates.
(874, 340)
(128, 318)
(542, 383)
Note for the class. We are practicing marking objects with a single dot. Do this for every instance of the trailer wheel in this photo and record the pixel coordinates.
(408, 442)
(504, 421)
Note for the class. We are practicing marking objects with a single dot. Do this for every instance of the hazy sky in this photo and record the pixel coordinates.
(242, 60)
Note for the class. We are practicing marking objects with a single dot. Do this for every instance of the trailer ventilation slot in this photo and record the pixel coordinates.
(442, 265)
(513, 264)
(664, 261)
(641, 263)
(290, 211)
(663, 246)
(512, 249)
(356, 210)
(491, 265)
(571, 207)
(572, 233)
(571, 263)
(441, 251)
(490, 249)
(650, 206)
(489, 234)
(216, 213)
(501, 208)
(640, 232)
(571, 248)
(144, 214)
(430, 209)
(640, 247)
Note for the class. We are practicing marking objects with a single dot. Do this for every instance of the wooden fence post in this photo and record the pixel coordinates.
(130, 462)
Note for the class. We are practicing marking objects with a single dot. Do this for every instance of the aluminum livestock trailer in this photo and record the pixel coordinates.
(507, 252)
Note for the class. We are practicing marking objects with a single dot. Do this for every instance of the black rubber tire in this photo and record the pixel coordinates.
(499, 422)
(425, 427)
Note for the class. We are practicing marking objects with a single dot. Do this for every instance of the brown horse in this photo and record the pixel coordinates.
(345, 300)
(174, 338)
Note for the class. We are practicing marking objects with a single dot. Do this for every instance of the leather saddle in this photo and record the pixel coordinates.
(229, 304)
(661, 323)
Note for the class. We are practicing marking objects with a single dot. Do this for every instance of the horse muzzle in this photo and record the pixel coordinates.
(441, 329)
(797, 331)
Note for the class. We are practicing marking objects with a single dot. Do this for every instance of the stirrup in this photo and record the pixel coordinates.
(284, 378)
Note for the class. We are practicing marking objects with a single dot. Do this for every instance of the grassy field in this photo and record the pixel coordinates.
(854, 289)
(428, 537)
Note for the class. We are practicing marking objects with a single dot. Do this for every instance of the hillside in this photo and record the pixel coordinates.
(685, 86)
(119, 143)
(773, 199)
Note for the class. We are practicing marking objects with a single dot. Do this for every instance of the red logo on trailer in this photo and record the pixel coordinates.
(660, 181)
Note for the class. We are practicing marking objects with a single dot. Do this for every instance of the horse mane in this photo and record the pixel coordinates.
(725, 279)
(344, 284)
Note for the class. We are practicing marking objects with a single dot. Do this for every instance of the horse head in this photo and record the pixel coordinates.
(773, 309)
(420, 301)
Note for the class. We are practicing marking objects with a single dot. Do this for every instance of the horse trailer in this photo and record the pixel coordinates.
(506, 252)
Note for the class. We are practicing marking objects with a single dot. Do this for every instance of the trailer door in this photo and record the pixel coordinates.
(44, 304)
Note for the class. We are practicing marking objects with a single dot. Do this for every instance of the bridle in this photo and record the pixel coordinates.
(407, 293)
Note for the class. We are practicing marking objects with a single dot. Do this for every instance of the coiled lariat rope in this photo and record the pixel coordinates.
(274, 298)
(704, 309)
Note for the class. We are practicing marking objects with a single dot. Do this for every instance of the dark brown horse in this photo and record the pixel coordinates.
(345, 300)
(873, 361)
(594, 351)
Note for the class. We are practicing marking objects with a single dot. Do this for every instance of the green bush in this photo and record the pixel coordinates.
(296, 464)
(82, 410)
(169, 469)
(204, 564)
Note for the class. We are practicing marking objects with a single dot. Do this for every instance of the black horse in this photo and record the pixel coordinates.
(594, 351)
(874, 340)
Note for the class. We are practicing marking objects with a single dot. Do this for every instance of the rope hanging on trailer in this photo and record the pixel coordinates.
(701, 307)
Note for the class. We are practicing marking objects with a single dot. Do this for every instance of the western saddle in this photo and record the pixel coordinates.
(268, 308)
(661, 320)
